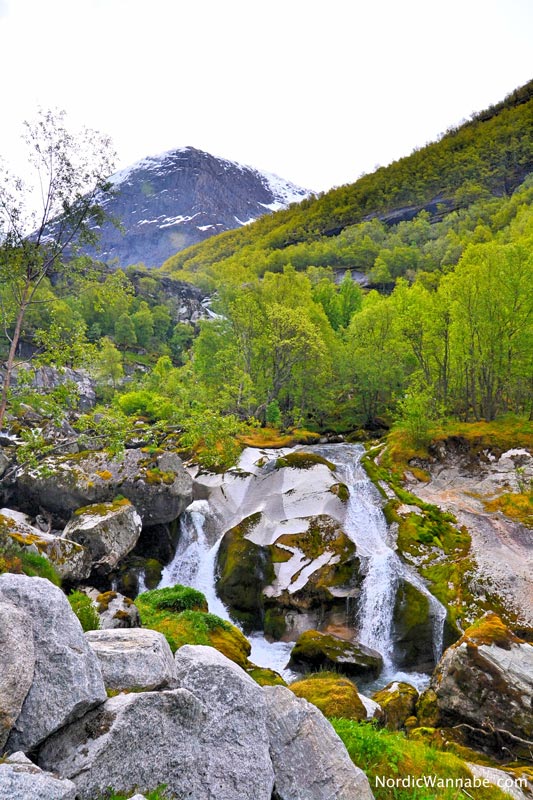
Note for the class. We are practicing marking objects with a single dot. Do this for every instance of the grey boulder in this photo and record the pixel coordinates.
(107, 530)
(67, 681)
(17, 662)
(310, 761)
(137, 658)
(20, 779)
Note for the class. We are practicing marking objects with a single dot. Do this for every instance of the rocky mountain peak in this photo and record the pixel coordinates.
(168, 202)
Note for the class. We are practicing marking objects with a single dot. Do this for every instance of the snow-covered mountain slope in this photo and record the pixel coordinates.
(168, 202)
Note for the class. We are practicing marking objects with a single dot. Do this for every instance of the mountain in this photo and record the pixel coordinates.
(168, 202)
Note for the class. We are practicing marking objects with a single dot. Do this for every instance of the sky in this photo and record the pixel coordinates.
(316, 91)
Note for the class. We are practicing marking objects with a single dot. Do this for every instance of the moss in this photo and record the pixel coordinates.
(266, 677)
(175, 598)
(104, 474)
(398, 702)
(156, 477)
(490, 630)
(303, 460)
(341, 490)
(104, 599)
(103, 509)
(315, 650)
(121, 615)
(515, 505)
(333, 694)
(274, 624)
(427, 709)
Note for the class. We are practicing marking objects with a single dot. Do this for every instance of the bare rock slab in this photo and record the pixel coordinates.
(67, 681)
(17, 663)
(310, 761)
(135, 658)
(20, 779)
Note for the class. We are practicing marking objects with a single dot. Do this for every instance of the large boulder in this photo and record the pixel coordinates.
(67, 681)
(333, 694)
(21, 779)
(71, 560)
(484, 683)
(314, 651)
(17, 663)
(156, 484)
(398, 702)
(109, 531)
(133, 742)
(133, 659)
(413, 629)
(234, 737)
(310, 761)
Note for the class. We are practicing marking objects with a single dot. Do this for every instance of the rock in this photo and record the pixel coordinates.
(373, 709)
(413, 629)
(235, 733)
(65, 483)
(504, 781)
(310, 761)
(135, 659)
(17, 662)
(109, 531)
(71, 560)
(115, 610)
(67, 680)
(20, 779)
(398, 702)
(5, 461)
(484, 683)
(334, 695)
(314, 651)
(133, 742)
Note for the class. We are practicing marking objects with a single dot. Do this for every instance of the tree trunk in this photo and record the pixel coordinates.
(12, 352)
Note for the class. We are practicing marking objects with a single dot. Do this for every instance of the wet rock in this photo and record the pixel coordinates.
(315, 650)
(413, 629)
(71, 560)
(136, 659)
(67, 680)
(20, 778)
(397, 701)
(108, 531)
(66, 483)
(310, 761)
(17, 663)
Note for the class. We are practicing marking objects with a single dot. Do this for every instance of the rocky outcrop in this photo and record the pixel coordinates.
(114, 609)
(67, 680)
(397, 701)
(314, 651)
(334, 695)
(17, 663)
(47, 378)
(484, 684)
(108, 531)
(310, 762)
(20, 778)
(71, 560)
(157, 485)
(135, 659)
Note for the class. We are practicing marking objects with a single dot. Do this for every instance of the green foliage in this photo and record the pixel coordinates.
(16, 559)
(273, 414)
(176, 598)
(85, 611)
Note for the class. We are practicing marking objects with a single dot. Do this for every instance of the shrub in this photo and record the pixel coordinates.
(85, 611)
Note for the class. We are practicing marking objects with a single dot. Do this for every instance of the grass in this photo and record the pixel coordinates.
(515, 505)
(175, 598)
(384, 754)
(17, 560)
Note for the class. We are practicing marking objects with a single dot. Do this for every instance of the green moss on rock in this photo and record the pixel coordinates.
(303, 460)
(315, 651)
(398, 701)
(333, 694)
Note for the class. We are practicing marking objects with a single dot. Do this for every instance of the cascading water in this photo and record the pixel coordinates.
(194, 565)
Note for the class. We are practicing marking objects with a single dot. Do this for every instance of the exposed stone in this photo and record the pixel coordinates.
(310, 761)
(64, 484)
(109, 531)
(236, 742)
(115, 610)
(398, 702)
(133, 659)
(413, 629)
(20, 779)
(17, 662)
(67, 680)
(315, 650)
(71, 560)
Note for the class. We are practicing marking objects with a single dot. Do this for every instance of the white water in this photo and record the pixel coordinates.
(195, 561)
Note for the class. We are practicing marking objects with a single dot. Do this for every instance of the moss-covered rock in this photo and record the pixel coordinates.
(303, 460)
(265, 677)
(413, 629)
(334, 695)
(244, 569)
(398, 701)
(314, 651)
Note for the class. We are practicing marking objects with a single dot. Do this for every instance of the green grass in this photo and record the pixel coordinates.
(384, 754)
(15, 559)
(175, 598)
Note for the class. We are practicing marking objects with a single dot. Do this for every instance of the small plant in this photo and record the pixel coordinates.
(85, 611)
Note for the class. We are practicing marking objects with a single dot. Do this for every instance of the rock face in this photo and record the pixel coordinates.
(484, 681)
(314, 651)
(310, 761)
(159, 493)
(413, 629)
(47, 378)
(21, 779)
(17, 663)
(108, 531)
(237, 743)
(71, 560)
(67, 680)
(173, 200)
(133, 659)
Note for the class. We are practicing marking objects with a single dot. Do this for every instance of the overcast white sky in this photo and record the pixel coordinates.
(317, 91)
